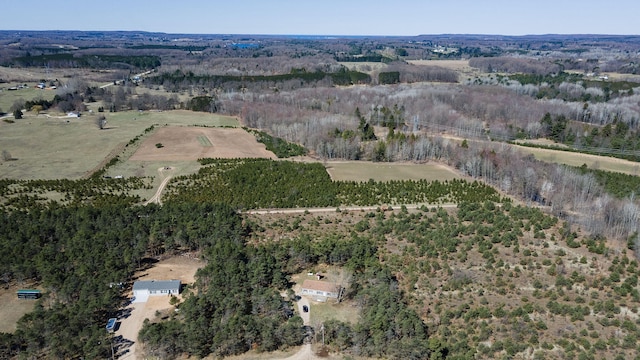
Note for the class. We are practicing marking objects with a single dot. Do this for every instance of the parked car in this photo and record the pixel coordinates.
(305, 308)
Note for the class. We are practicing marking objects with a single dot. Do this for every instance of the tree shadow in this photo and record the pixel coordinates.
(121, 345)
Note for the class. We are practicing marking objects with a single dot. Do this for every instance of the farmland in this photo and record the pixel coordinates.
(8, 98)
(41, 146)
(400, 178)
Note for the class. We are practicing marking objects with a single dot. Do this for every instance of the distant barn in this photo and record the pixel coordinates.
(29, 294)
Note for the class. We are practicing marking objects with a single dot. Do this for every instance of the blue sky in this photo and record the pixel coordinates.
(328, 17)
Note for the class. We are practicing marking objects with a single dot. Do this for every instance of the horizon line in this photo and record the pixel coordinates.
(319, 35)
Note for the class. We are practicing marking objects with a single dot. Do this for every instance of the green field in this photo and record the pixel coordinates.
(577, 159)
(363, 171)
(55, 148)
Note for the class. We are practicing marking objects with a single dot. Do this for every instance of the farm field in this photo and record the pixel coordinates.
(577, 159)
(363, 171)
(54, 148)
(192, 143)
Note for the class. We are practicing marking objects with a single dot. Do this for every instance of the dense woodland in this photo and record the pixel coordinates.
(487, 279)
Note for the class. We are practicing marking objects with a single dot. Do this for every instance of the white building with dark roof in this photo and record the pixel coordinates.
(145, 288)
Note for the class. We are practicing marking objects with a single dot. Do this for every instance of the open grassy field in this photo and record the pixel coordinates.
(59, 147)
(577, 159)
(7, 98)
(363, 171)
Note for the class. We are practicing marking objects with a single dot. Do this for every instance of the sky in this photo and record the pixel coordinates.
(328, 17)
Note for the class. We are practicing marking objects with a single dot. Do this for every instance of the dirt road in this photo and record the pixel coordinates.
(157, 197)
(347, 208)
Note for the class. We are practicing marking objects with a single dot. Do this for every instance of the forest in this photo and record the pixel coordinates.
(523, 257)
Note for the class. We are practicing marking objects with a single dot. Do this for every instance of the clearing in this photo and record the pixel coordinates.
(577, 159)
(460, 66)
(182, 268)
(12, 308)
(363, 171)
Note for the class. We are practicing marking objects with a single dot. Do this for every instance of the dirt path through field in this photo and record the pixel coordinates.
(157, 197)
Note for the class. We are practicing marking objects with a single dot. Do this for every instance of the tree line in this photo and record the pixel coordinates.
(69, 60)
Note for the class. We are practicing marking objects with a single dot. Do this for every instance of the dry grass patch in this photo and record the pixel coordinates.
(12, 308)
(345, 311)
(578, 159)
(363, 171)
(192, 143)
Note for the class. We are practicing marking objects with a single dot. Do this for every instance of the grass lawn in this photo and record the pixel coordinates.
(321, 312)
(58, 147)
(7, 98)
(363, 171)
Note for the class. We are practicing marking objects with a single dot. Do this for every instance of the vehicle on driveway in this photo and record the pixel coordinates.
(305, 308)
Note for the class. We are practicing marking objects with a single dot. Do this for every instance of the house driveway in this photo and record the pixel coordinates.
(306, 316)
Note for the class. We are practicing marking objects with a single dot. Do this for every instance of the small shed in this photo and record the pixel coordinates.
(143, 289)
(29, 294)
(320, 288)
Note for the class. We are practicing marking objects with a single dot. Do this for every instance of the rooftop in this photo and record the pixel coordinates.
(156, 285)
(320, 285)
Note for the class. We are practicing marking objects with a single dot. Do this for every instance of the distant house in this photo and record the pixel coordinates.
(321, 288)
(143, 289)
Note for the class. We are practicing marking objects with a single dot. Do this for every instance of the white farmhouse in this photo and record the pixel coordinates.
(317, 288)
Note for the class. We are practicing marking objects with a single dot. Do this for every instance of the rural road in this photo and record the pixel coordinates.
(304, 353)
(119, 81)
(347, 208)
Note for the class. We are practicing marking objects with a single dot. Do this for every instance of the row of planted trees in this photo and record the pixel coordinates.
(263, 183)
